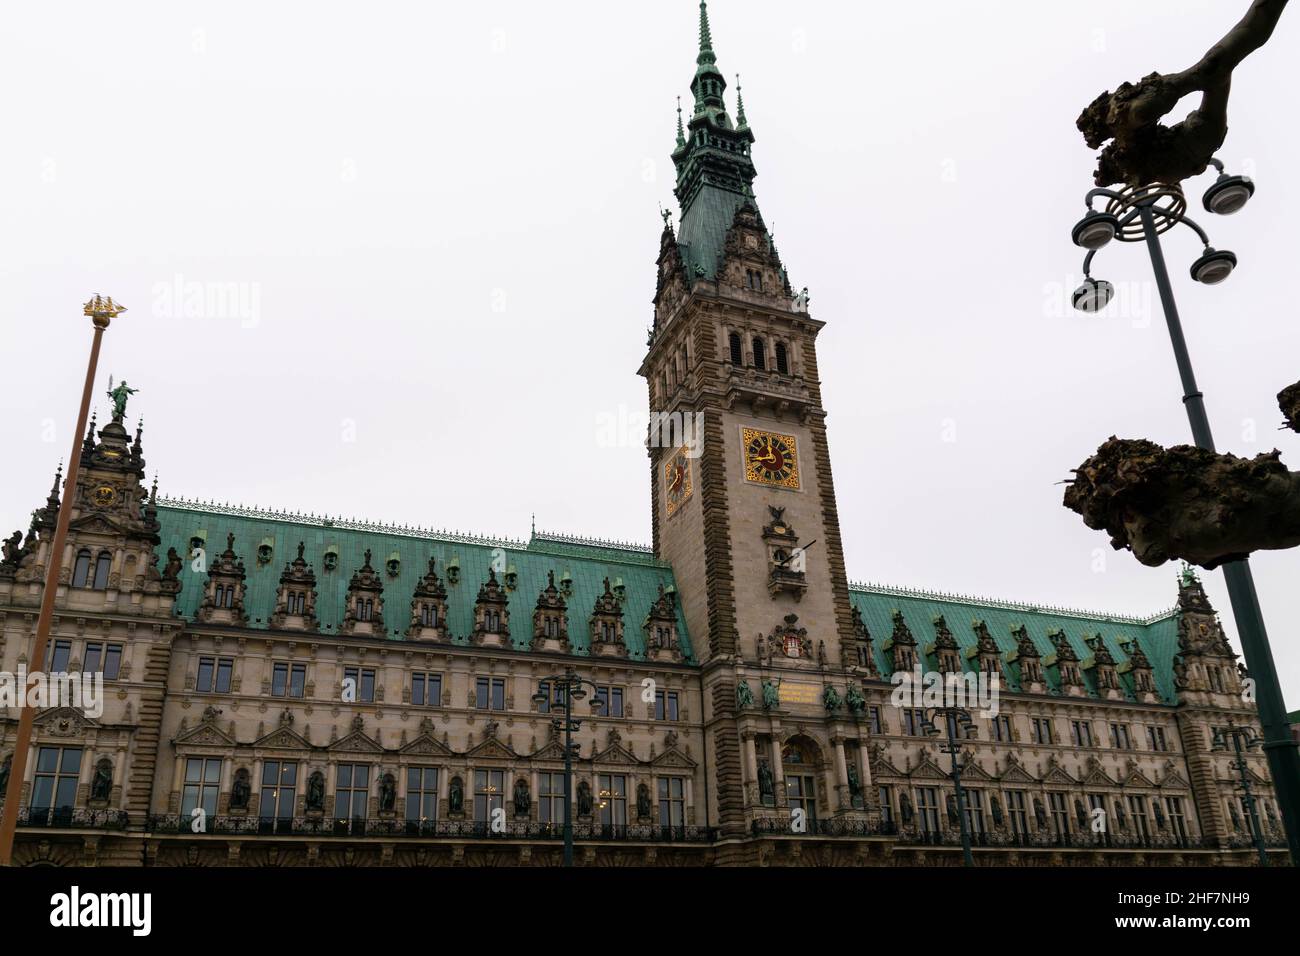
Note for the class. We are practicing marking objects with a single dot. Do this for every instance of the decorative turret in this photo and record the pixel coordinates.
(660, 626)
(551, 619)
(364, 613)
(428, 608)
(945, 648)
(223, 600)
(492, 613)
(1066, 662)
(901, 644)
(607, 626)
(295, 601)
(985, 651)
(1029, 661)
(861, 653)
(1102, 664)
(1139, 666)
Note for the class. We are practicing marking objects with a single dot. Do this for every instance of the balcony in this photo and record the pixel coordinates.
(777, 826)
(71, 818)
(911, 836)
(423, 829)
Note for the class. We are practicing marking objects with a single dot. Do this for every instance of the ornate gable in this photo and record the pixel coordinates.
(607, 625)
(492, 613)
(551, 619)
(428, 608)
(223, 600)
(295, 601)
(660, 626)
(364, 613)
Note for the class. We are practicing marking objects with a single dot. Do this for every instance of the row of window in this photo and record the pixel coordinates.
(780, 360)
(1134, 813)
(98, 657)
(1041, 730)
(352, 785)
(290, 680)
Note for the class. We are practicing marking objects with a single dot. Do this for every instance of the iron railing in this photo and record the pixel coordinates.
(72, 818)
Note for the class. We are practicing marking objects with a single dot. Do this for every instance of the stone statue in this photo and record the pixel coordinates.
(102, 782)
(766, 785)
(771, 694)
(240, 791)
(856, 702)
(173, 568)
(831, 699)
(387, 792)
(996, 807)
(855, 782)
(523, 799)
(643, 802)
(11, 549)
(905, 807)
(456, 797)
(1081, 814)
(585, 799)
(1040, 814)
(744, 695)
(316, 791)
(953, 819)
(119, 396)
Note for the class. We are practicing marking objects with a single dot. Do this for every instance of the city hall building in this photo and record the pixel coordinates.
(298, 691)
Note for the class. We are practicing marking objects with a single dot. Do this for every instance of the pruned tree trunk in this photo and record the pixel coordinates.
(1143, 150)
(1187, 503)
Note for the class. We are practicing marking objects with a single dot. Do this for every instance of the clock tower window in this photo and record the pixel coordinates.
(782, 361)
(760, 355)
(737, 355)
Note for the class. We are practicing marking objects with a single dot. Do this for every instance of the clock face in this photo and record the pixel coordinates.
(677, 481)
(770, 459)
(104, 495)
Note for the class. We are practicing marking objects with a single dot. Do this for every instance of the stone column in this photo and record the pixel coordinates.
(750, 769)
(778, 772)
(842, 774)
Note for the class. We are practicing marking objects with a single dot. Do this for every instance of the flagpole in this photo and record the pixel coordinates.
(101, 310)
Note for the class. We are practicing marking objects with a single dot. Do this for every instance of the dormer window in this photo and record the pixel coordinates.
(782, 360)
(224, 596)
(297, 602)
(428, 615)
(492, 621)
(365, 609)
(754, 279)
(737, 354)
(760, 355)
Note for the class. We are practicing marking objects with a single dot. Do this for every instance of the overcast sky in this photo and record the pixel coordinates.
(440, 223)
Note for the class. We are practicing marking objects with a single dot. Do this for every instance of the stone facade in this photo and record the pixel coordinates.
(334, 693)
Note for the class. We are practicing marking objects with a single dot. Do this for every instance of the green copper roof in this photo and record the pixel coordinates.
(1157, 636)
(588, 562)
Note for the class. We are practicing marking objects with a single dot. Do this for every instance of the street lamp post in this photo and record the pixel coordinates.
(1142, 214)
(1252, 742)
(101, 311)
(571, 686)
(954, 717)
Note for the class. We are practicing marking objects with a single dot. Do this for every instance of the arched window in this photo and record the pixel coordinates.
(102, 564)
(760, 354)
(782, 361)
(737, 357)
(81, 573)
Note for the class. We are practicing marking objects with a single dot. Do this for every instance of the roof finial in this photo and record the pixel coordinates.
(681, 132)
(706, 36)
(741, 122)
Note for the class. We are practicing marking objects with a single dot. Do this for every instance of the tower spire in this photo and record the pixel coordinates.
(706, 37)
(741, 122)
(681, 132)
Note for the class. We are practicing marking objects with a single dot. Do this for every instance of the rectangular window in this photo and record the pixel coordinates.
(666, 705)
(802, 793)
(1177, 820)
(927, 809)
(554, 695)
(1002, 729)
(1157, 737)
(279, 788)
(1137, 809)
(421, 794)
(202, 783)
(974, 811)
(352, 791)
(1081, 733)
(613, 799)
(885, 797)
(877, 725)
(103, 658)
(1017, 815)
(489, 793)
(672, 802)
(289, 680)
(1119, 737)
(1042, 730)
(1097, 801)
(60, 654)
(1060, 809)
(490, 693)
(914, 721)
(426, 690)
(613, 701)
(54, 782)
(550, 798)
(362, 683)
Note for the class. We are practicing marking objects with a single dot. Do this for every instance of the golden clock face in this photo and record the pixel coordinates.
(104, 495)
(771, 459)
(678, 481)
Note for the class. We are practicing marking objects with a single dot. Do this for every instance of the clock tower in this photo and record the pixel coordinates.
(744, 509)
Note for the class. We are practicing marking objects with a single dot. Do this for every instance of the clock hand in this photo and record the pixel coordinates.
(803, 550)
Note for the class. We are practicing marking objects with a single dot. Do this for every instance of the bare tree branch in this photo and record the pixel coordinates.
(1185, 502)
(1143, 150)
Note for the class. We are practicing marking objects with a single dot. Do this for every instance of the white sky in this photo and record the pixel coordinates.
(443, 221)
